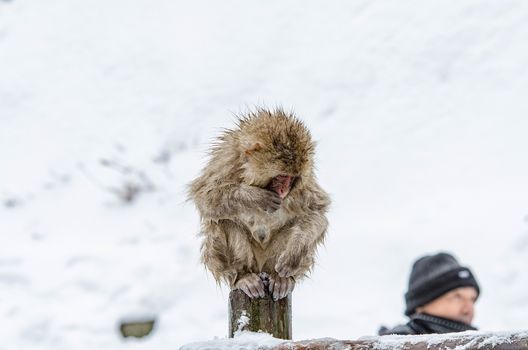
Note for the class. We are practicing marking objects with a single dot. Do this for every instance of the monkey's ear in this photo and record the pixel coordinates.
(257, 146)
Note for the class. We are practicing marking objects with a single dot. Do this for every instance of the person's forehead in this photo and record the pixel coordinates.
(466, 291)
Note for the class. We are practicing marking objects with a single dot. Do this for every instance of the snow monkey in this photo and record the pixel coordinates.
(262, 211)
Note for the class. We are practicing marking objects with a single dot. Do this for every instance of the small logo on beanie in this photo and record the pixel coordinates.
(463, 274)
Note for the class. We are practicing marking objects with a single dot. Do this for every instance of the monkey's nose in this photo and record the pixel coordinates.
(283, 192)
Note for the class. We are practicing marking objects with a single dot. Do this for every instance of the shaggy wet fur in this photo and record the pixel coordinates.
(244, 230)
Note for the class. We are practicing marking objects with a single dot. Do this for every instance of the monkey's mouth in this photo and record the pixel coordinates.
(282, 185)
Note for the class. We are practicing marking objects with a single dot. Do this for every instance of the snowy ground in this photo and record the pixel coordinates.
(107, 108)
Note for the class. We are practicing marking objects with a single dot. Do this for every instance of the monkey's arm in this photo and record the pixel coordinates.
(298, 256)
(231, 200)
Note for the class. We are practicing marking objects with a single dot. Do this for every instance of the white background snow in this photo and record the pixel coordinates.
(419, 108)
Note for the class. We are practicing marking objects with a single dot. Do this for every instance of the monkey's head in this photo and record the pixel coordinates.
(277, 151)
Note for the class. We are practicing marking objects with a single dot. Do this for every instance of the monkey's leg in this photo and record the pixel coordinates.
(252, 285)
(228, 253)
(280, 287)
(218, 253)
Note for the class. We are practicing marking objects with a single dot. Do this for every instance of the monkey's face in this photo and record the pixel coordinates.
(277, 152)
(281, 184)
(266, 170)
(276, 170)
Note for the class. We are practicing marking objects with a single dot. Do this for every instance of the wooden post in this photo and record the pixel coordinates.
(260, 314)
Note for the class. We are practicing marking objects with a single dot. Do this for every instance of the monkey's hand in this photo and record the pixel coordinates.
(252, 285)
(266, 200)
(288, 264)
(280, 287)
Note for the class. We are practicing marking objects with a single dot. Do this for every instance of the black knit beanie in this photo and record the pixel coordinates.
(433, 276)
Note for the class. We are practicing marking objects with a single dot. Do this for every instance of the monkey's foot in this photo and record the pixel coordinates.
(252, 285)
(280, 287)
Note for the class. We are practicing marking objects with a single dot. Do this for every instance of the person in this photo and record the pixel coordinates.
(440, 298)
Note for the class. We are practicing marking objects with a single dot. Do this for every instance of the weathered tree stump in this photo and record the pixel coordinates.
(260, 314)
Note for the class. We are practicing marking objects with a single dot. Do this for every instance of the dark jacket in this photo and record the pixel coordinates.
(427, 324)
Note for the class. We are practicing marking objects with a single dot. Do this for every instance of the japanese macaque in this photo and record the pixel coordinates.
(262, 211)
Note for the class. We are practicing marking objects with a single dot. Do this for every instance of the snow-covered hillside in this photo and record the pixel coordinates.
(107, 109)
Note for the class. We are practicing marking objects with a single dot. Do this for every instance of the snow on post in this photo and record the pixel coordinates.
(260, 314)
